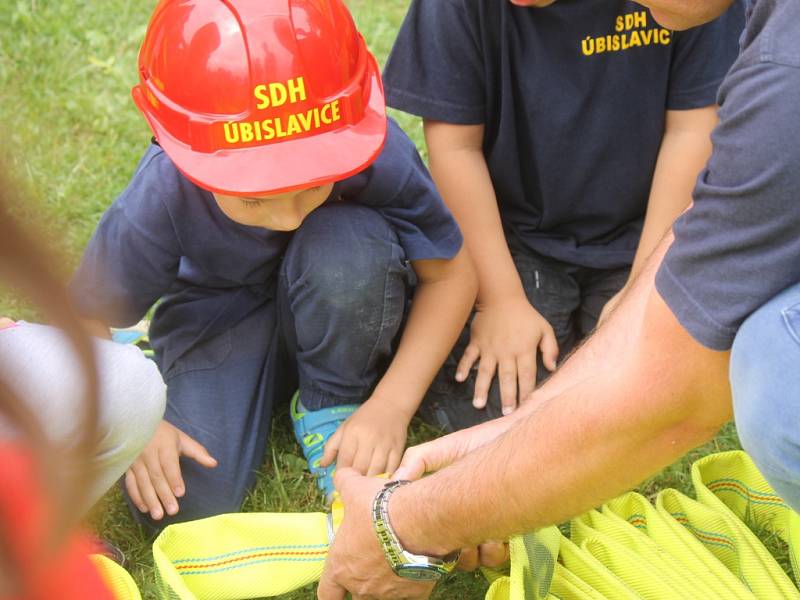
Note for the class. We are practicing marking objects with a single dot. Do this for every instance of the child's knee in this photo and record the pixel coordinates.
(347, 254)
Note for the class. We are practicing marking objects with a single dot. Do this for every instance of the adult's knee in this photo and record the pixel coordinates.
(765, 383)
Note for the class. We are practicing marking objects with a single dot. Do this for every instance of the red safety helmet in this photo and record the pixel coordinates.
(251, 97)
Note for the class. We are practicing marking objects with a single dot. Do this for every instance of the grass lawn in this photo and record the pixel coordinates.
(73, 136)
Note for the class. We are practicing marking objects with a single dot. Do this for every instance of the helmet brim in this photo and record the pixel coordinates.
(287, 165)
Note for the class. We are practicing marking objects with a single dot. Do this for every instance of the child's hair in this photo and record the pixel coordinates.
(63, 474)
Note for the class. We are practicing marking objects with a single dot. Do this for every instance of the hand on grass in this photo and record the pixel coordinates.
(154, 481)
(505, 338)
(371, 441)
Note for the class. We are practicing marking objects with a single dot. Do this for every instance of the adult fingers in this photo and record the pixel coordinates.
(133, 491)
(507, 375)
(486, 369)
(526, 373)
(468, 561)
(428, 457)
(328, 589)
(549, 348)
(195, 450)
(471, 354)
(331, 448)
(159, 481)
(147, 491)
(492, 554)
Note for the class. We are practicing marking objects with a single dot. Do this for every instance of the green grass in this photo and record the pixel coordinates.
(73, 137)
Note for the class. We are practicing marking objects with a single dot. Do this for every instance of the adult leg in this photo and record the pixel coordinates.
(342, 292)
(46, 374)
(221, 393)
(765, 381)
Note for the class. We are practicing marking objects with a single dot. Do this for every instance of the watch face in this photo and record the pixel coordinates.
(419, 572)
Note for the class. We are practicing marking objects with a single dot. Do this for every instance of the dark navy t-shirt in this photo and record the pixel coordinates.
(164, 237)
(739, 244)
(573, 98)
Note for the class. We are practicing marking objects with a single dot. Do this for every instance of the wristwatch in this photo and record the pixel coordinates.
(403, 563)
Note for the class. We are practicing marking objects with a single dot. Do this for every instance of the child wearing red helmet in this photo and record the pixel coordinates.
(283, 222)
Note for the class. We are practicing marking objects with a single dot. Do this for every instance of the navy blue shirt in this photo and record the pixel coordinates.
(573, 98)
(739, 244)
(166, 238)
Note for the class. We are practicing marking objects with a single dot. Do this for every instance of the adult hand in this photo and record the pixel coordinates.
(356, 562)
(441, 452)
(6, 322)
(154, 480)
(489, 554)
(371, 440)
(505, 338)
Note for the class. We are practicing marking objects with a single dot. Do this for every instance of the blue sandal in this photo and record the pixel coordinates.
(313, 429)
(135, 336)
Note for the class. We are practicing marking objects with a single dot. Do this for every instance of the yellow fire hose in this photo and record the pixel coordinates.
(630, 549)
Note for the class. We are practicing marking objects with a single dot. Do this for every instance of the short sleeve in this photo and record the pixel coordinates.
(435, 69)
(701, 58)
(132, 258)
(400, 188)
(738, 245)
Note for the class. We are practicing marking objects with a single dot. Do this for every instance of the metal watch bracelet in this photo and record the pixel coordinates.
(404, 563)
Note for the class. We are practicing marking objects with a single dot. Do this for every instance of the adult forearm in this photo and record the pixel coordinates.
(662, 395)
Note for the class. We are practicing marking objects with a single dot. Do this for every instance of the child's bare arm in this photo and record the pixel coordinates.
(685, 149)
(373, 438)
(507, 331)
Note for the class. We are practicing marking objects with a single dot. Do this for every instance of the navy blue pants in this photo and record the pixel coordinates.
(341, 295)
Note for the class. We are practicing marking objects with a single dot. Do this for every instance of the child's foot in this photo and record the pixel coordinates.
(313, 429)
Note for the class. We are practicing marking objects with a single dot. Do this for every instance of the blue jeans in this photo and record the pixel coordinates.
(765, 380)
(331, 330)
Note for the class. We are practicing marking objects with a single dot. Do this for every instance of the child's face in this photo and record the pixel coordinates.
(279, 212)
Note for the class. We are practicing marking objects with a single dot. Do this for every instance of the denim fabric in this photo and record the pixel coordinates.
(570, 297)
(765, 381)
(340, 304)
(342, 292)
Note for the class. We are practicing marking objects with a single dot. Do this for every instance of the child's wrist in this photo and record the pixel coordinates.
(394, 406)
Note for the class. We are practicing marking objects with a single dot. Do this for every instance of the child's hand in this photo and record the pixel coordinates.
(371, 441)
(154, 480)
(505, 337)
